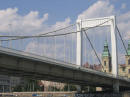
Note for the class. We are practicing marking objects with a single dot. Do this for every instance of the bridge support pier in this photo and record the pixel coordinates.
(116, 86)
(78, 88)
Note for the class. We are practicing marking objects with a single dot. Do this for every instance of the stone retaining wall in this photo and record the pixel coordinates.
(63, 94)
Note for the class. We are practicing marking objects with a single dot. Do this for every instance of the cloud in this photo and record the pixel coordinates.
(40, 48)
(30, 24)
(105, 8)
(11, 21)
(49, 50)
(98, 9)
(123, 22)
(61, 23)
(123, 6)
(57, 25)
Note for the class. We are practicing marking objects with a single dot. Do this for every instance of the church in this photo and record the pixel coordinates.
(124, 69)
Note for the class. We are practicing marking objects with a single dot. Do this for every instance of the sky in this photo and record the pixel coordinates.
(58, 10)
(48, 12)
(27, 17)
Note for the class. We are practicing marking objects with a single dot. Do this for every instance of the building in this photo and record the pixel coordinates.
(52, 86)
(106, 59)
(124, 69)
(4, 83)
(7, 83)
(16, 81)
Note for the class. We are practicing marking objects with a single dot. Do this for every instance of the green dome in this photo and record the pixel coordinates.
(106, 50)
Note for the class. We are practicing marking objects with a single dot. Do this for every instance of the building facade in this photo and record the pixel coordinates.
(4, 83)
(124, 69)
(106, 59)
(7, 83)
(52, 86)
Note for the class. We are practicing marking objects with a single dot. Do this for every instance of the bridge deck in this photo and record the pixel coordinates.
(17, 63)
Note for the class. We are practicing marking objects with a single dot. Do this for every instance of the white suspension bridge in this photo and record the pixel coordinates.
(61, 55)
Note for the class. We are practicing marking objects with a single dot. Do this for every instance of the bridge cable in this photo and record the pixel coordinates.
(22, 37)
(93, 48)
(41, 34)
(44, 35)
(122, 40)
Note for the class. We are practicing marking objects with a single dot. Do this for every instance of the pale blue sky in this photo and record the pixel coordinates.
(58, 10)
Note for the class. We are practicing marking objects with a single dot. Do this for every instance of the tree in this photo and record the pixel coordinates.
(30, 85)
(70, 87)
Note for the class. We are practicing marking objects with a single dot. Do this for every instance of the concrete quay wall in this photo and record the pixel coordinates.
(63, 94)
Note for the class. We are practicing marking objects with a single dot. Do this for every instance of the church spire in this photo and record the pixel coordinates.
(106, 50)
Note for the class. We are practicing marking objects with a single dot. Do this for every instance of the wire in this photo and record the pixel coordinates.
(22, 37)
(122, 40)
(41, 34)
(44, 35)
(93, 48)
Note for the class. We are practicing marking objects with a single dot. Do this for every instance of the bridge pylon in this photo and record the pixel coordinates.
(94, 22)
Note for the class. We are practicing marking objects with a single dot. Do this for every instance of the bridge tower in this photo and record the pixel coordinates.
(88, 23)
(106, 59)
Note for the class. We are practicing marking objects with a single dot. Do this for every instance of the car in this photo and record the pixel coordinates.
(36, 95)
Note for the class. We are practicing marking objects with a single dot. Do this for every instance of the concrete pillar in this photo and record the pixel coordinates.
(78, 88)
(116, 86)
(3, 89)
(114, 47)
(79, 49)
(79, 57)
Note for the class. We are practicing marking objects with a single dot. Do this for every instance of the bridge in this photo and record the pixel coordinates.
(61, 66)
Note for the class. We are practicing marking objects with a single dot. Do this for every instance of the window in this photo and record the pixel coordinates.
(129, 62)
(104, 63)
(123, 69)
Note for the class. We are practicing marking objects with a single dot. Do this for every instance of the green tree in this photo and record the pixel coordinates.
(70, 87)
(29, 85)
